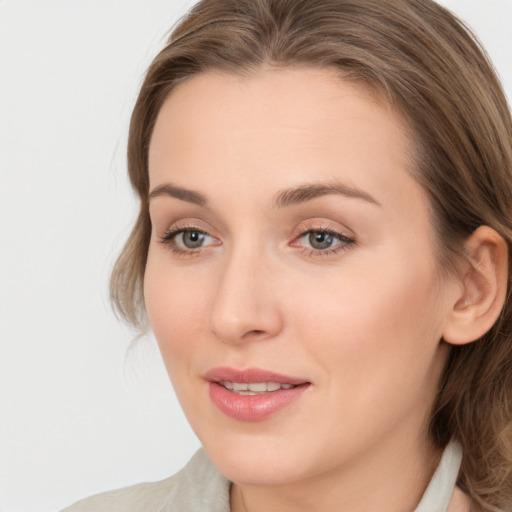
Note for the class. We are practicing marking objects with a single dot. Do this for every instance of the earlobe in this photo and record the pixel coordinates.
(484, 286)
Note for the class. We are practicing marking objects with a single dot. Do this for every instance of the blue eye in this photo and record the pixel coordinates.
(320, 240)
(323, 242)
(187, 240)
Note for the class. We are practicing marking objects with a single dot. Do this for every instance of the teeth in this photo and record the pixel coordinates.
(254, 388)
(258, 386)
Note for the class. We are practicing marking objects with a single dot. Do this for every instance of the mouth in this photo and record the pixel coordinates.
(253, 394)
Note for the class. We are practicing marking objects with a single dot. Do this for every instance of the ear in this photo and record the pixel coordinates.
(484, 287)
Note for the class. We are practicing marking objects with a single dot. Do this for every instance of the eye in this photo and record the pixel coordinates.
(322, 241)
(191, 239)
(187, 240)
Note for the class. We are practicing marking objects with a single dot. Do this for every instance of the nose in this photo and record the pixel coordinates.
(245, 306)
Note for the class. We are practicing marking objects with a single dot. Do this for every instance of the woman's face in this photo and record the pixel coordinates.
(291, 280)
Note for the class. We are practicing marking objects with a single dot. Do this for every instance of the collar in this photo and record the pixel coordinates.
(438, 494)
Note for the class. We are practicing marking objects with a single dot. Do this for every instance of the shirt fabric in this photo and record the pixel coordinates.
(199, 487)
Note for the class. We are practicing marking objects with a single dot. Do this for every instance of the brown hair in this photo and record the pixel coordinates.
(431, 69)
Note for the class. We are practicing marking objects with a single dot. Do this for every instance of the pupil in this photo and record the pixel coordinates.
(320, 240)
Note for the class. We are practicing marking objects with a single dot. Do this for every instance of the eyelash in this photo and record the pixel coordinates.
(344, 244)
(169, 240)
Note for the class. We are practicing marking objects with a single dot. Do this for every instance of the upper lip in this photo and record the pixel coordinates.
(250, 375)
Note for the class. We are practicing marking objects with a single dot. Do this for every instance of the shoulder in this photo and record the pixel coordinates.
(196, 486)
(140, 497)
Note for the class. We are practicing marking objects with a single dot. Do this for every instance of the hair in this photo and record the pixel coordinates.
(431, 69)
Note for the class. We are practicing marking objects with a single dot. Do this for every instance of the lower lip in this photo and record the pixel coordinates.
(253, 407)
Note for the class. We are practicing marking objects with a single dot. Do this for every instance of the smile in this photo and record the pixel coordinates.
(253, 394)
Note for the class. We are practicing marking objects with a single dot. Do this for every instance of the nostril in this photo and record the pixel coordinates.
(255, 332)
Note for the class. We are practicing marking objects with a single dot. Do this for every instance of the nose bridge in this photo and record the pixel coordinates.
(245, 304)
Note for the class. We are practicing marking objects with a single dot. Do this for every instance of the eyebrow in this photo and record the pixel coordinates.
(190, 196)
(308, 192)
(284, 198)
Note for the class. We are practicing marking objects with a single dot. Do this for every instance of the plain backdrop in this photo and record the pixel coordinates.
(80, 412)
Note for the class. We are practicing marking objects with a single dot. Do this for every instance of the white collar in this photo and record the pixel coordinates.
(437, 496)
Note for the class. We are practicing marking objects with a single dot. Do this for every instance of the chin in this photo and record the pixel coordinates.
(245, 469)
(257, 459)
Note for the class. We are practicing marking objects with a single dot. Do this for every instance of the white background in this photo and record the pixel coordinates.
(79, 412)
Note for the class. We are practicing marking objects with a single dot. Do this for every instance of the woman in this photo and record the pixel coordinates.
(322, 254)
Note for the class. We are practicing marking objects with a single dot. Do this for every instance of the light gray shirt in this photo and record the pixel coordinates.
(199, 487)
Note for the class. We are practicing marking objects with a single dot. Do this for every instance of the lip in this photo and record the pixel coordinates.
(252, 407)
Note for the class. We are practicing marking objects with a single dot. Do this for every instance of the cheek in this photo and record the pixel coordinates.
(176, 311)
(375, 329)
(375, 343)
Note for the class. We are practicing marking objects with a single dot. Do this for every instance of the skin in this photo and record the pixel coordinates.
(361, 321)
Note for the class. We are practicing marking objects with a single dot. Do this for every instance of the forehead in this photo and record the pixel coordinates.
(278, 128)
